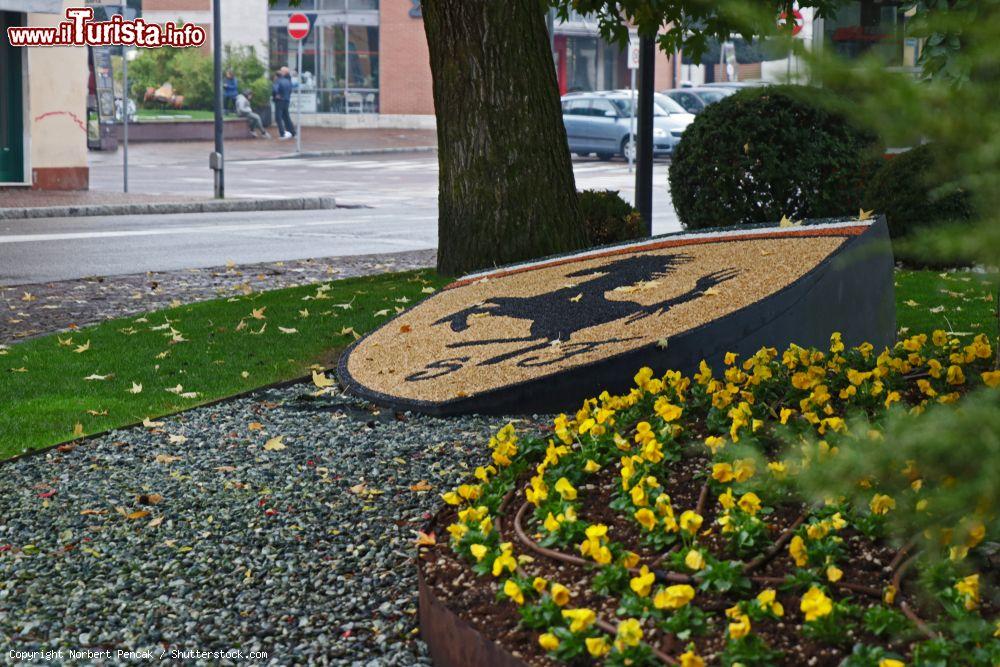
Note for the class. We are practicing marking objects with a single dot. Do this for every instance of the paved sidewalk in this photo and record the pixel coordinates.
(315, 140)
(100, 200)
(27, 311)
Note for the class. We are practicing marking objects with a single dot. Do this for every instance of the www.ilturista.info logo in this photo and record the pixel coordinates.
(80, 29)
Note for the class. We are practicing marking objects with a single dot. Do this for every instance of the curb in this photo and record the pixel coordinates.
(343, 153)
(159, 208)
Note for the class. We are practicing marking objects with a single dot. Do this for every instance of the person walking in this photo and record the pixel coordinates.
(230, 90)
(244, 110)
(282, 91)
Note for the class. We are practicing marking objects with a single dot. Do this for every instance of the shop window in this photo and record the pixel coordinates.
(869, 28)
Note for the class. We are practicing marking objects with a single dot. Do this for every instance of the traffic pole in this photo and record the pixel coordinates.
(218, 158)
(298, 104)
(644, 151)
(125, 118)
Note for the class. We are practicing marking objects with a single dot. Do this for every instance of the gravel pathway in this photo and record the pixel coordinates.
(199, 535)
(32, 310)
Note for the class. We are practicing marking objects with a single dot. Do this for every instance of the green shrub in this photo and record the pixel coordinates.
(608, 218)
(190, 72)
(903, 189)
(770, 152)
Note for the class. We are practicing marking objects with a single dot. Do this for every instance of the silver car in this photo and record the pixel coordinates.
(599, 122)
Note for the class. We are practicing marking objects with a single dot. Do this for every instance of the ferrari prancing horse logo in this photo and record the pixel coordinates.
(549, 326)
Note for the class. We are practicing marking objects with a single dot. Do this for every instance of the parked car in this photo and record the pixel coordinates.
(599, 123)
(695, 99)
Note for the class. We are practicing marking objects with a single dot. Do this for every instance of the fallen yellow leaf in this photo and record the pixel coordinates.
(321, 380)
(275, 444)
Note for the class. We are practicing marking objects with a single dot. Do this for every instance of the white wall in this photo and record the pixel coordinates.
(244, 22)
(57, 101)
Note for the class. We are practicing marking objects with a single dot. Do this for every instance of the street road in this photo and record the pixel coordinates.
(394, 198)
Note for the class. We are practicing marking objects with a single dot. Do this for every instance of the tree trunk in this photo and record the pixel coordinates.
(507, 191)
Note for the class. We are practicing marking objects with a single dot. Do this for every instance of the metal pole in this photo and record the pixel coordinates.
(220, 182)
(298, 100)
(550, 25)
(644, 151)
(631, 126)
(125, 117)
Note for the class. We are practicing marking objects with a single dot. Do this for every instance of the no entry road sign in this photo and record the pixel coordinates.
(797, 21)
(298, 26)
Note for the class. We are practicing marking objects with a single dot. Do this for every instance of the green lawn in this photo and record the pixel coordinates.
(45, 393)
(175, 115)
(220, 349)
(962, 302)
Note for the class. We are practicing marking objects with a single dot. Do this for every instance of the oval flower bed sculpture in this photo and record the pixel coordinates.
(545, 335)
(665, 526)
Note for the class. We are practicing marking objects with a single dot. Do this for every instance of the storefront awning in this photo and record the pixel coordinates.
(33, 6)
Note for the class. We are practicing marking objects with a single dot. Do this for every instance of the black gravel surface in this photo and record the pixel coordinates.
(198, 535)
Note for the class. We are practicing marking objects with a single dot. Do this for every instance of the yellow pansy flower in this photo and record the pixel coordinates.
(723, 472)
(740, 627)
(591, 466)
(768, 602)
(580, 620)
(505, 561)
(727, 500)
(691, 521)
(642, 584)
(834, 573)
(815, 604)
(882, 504)
(969, 588)
(744, 469)
(560, 594)
(750, 503)
(479, 551)
(597, 646)
(714, 442)
(548, 641)
(673, 597)
(797, 549)
(565, 489)
(891, 662)
(539, 584)
(955, 375)
(690, 658)
(694, 560)
(629, 633)
(513, 591)
(630, 559)
(646, 518)
(458, 531)
(991, 379)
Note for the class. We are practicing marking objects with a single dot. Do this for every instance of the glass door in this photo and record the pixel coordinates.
(11, 100)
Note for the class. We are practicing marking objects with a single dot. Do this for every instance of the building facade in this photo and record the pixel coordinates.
(43, 97)
(366, 61)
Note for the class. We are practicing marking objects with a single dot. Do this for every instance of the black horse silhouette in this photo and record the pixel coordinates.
(551, 323)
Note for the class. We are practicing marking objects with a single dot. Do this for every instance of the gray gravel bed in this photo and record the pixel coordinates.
(305, 552)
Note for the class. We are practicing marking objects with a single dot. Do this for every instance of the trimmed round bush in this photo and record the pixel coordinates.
(902, 191)
(607, 217)
(770, 152)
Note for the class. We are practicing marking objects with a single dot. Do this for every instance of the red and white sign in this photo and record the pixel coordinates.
(798, 19)
(298, 26)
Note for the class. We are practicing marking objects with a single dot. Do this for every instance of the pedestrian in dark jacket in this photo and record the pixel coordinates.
(230, 89)
(282, 91)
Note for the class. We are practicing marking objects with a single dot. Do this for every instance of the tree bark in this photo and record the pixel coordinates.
(507, 191)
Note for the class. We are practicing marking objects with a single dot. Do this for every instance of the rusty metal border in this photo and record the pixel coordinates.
(451, 640)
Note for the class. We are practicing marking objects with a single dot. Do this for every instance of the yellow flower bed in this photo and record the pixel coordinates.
(710, 553)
